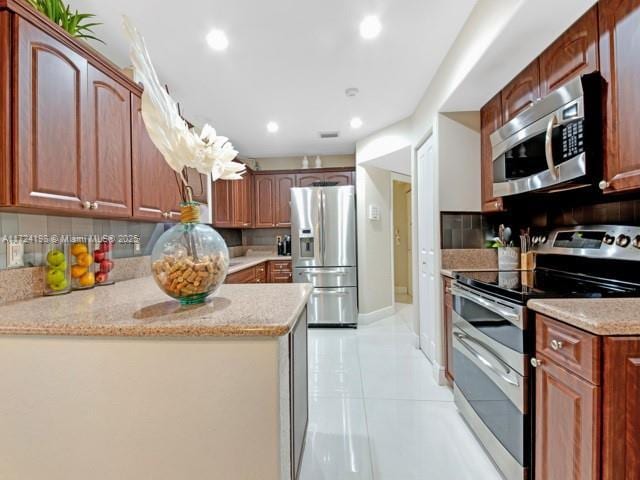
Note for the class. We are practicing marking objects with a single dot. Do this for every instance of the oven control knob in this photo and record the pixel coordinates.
(636, 241)
(609, 239)
(623, 241)
(543, 239)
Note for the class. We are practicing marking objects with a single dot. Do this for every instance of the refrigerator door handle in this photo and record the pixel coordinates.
(322, 224)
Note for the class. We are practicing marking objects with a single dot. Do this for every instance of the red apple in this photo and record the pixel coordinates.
(105, 246)
(99, 256)
(106, 266)
(101, 277)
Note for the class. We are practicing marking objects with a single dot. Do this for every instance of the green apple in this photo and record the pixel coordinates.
(55, 257)
(62, 267)
(56, 287)
(54, 276)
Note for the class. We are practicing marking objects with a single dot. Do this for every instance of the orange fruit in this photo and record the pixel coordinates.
(78, 249)
(87, 280)
(78, 270)
(84, 259)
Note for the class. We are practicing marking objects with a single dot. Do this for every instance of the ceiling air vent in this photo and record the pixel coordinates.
(329, 134)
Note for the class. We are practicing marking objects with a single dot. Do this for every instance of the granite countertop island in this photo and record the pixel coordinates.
(601, 316)
(139, 308)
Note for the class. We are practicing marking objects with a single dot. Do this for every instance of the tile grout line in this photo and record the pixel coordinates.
(364, 409)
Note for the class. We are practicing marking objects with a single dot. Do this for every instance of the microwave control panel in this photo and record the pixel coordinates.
(572, 139)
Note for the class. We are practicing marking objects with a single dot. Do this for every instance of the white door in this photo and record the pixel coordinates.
(426, 209)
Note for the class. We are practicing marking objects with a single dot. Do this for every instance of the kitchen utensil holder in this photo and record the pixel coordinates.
(527, 261)
(508, 258)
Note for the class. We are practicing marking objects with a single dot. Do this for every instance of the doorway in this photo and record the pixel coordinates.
(402, 242)
(427, 219)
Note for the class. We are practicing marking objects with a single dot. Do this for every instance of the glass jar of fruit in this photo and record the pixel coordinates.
(57, 278)
(82, 276)
(103, 261)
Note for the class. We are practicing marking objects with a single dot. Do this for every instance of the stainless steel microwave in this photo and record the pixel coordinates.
(555, 144)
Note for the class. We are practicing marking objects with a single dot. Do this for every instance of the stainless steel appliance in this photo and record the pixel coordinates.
(555, 144)
(493, 332)
(323, 230)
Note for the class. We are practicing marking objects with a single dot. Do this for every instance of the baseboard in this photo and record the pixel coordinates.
(367, 318)
(439, 374)
(401, 291)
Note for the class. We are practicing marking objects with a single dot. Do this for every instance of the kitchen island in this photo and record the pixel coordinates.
(122, 382)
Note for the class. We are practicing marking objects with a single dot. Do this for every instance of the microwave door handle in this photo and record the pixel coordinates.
(491, 306)
(499, 368)
(548, 146)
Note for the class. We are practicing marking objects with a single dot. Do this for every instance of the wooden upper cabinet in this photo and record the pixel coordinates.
(243, 201)
(51, 132)
(619, 23)
(308, 179)
(567, 425)
(108, 165)
(283, 183)
(198, 182)
(574, 53)
(5, 109)
(490, 121)
(265, 188)
(154, 185)
(341, 178)
(223, 203)
(521, 92)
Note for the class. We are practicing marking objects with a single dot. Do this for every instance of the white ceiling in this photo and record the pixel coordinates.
(289, 61)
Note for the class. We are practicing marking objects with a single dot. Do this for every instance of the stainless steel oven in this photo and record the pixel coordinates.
(555, 144)
(490, 367)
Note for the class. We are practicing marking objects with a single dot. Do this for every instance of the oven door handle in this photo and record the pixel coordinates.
(500, 368)
(491, 306)
(548, 146)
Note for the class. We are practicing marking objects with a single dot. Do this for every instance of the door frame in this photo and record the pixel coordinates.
(397, 177)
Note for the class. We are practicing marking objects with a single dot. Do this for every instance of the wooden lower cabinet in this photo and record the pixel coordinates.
(587, 404)
(248, 275)
(280, 271)
(5, 109)
(261, 273)
(447, 317)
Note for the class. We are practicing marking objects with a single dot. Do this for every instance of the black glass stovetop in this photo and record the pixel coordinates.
(520, 286)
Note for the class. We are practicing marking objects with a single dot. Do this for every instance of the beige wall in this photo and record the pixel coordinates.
(373, 187)
(401, 235)
(292, 163)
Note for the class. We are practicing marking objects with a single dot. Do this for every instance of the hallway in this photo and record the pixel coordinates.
(376, 412)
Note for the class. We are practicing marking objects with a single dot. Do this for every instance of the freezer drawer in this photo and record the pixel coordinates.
(333, 306)
(327, 277)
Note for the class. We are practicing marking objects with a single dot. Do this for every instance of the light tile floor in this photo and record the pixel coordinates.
(376, 412)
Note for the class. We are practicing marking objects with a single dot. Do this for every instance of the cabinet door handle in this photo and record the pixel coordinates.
(165, 214)
(535, 363)
(94, 205)
(556, 344)
(604, 185)
(86, 205)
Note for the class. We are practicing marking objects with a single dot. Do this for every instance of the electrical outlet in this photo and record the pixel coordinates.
(15, 254)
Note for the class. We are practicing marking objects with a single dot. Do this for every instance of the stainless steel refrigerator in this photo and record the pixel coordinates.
(323, 231)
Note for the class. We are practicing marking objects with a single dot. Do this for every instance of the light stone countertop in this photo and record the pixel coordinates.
(138, 308)
(602, 316)
(237, 264)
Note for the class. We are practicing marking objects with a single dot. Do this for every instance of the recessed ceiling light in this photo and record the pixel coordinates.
(272, 127)
(217, 40)
(370, 27)
(356, 122)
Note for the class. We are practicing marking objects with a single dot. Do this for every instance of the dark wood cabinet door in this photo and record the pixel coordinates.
(223, 206)
(51, 130)
(619, 22)
(341, 178)
(5, 109)
(265, 209)
(282, 201)
(308, 179)
(154, 183)
(198, 182)
(574, 53)
(521, 92)
(248, 275)
(567, 425)
(490, 121)
(243, 201)
(621, 409)
(108, 164)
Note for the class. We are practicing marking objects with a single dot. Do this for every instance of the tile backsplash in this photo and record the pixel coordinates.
(21, 224)
(464, 230)
(263, 236)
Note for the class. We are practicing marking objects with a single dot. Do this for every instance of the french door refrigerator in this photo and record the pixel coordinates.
(323, 230)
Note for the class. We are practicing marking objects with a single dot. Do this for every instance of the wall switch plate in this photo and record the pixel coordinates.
(15, 254)
(374, 213)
